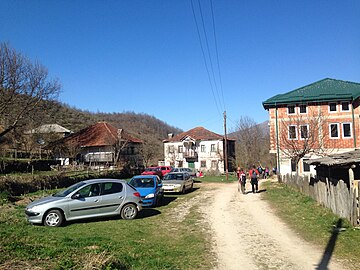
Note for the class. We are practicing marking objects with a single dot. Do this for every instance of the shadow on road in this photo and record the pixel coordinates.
(323, 265)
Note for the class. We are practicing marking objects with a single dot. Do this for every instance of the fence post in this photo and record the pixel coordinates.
(351, 201)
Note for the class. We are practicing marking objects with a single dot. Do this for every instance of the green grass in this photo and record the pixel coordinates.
(313, 222)
(219, 179)
(152, 241)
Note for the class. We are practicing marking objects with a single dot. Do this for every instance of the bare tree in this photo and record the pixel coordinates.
(303, 134)
(23, 85)
(252, 145)
(151, 151)
(119, 145)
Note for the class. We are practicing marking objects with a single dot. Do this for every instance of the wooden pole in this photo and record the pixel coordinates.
(225, 150)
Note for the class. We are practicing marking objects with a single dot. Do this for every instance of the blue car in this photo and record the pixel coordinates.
(150, 189)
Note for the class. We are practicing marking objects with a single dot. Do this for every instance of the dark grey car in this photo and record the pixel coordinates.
(86, 199)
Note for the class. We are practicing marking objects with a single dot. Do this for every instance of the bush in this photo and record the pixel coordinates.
(16, 185)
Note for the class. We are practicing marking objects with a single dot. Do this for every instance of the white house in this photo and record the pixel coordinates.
(199, 148)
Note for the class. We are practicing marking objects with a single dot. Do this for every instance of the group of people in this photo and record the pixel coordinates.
(263, 172)
(254, 179)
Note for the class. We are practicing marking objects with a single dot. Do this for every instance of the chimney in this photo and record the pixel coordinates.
(170, 135)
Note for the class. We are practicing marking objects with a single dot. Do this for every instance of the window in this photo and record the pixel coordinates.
(345, 107)
(332, 107)
(304, 131)
(202, 149)
(171, 149)
(303, 108)
(291, 109)
(110, 188)
(213, 164)
(306, 166)
(292, 132)
(293, 165)
(346, 128)
(212, 149)
(334, 131)
(90, 191)
(180, 149)
(203, 164)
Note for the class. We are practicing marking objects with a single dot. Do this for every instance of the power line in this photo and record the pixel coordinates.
(213, 78)
(217, 54)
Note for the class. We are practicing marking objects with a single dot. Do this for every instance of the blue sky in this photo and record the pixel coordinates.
(145, 56)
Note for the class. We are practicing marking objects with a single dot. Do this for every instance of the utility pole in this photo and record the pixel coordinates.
(225, 149)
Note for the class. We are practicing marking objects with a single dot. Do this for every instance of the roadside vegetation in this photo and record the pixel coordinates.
(166, 237)
(314, 223)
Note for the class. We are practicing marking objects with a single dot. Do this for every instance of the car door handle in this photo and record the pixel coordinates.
(121, 197)
(96, 200)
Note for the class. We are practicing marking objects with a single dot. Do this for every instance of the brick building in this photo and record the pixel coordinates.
(316, 120)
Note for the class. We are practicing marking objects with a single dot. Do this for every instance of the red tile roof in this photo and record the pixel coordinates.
(99, 134)
(198, 134)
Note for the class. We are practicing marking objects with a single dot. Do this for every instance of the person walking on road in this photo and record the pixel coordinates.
(254, 173)
(242, 180)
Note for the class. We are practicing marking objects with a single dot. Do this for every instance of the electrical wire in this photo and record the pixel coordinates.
(210, 78)
(217, 54)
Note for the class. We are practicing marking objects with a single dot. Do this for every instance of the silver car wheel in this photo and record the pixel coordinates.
(53, 219)
(129, 211)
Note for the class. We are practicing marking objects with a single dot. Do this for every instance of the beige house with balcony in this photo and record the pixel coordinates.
(200, 149)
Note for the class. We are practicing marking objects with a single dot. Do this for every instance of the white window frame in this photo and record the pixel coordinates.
(306, 108)
(288, 107)
(213, 147)
(307, 132)
(181, 149)
(338, 130)
(351, 131)
(341, 106)
(296, 132)
(203, 164)
(171, 149)
(329, 106)
(202, 148)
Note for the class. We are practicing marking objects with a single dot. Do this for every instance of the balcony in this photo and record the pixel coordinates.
(190, 156)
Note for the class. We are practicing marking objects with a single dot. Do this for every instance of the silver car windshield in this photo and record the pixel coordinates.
(70, 189)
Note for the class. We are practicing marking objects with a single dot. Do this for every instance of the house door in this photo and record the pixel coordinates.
(191, 165)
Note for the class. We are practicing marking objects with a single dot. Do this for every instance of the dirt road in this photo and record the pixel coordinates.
(247, 235)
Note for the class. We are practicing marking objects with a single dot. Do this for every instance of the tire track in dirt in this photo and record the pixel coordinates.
(247, 234)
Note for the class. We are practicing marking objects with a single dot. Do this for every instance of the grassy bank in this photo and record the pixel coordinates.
(314, 223)
(155, 240)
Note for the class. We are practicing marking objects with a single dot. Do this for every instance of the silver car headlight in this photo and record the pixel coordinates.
(35, 208)
(150, 196)
(177, 185)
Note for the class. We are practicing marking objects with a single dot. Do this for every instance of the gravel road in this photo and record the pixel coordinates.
(246, 234)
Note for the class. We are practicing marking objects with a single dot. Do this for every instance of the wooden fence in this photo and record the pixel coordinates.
(333, 194)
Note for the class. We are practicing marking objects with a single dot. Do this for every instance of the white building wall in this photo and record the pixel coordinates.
(211, 157)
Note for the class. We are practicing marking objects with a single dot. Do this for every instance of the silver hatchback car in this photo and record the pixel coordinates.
(86, 199)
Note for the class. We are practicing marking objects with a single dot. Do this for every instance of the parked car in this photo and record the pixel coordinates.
(165, 169)
(153, 171)
(86, 199)
(188, 170)
(177, 182)
(150, 188)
